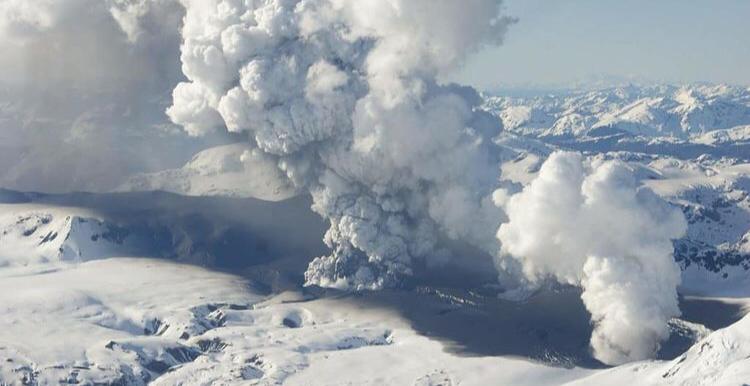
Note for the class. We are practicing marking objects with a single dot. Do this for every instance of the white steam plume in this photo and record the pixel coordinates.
(345, 95)
(596, 229)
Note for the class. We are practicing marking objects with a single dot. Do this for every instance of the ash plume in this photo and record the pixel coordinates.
(346, 96)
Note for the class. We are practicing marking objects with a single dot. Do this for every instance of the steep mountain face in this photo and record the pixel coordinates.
(679, 113)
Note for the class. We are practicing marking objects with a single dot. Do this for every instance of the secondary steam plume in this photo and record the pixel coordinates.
(596, 229)
(345, 95)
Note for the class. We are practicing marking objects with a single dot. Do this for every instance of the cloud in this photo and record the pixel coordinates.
(83, 88)
(594, 227)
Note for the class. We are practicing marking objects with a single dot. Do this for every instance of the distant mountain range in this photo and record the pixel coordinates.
(703, 114)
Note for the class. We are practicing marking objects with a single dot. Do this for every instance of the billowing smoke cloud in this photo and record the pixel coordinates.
(83, 89)
(345, 95)
(594, 228)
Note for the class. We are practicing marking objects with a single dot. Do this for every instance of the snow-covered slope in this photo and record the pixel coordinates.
(36, 229)
(720, 359)
(137, 321)
(737, 134)
(231, 170)
(723, 358)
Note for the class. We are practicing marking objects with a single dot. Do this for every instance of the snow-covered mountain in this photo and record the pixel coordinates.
(37, 234)
(686, 113)
(230, 171)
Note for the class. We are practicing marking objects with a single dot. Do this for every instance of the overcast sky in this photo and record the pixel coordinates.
(562, 42)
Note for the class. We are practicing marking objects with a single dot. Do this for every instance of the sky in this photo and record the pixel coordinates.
(564, 43)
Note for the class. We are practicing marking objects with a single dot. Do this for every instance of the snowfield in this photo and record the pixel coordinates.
(138, 321)
(106, 321)
(74, 311)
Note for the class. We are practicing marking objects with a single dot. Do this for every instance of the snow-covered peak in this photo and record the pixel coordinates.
(235, 170)
(722, 358)
(32, 234)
